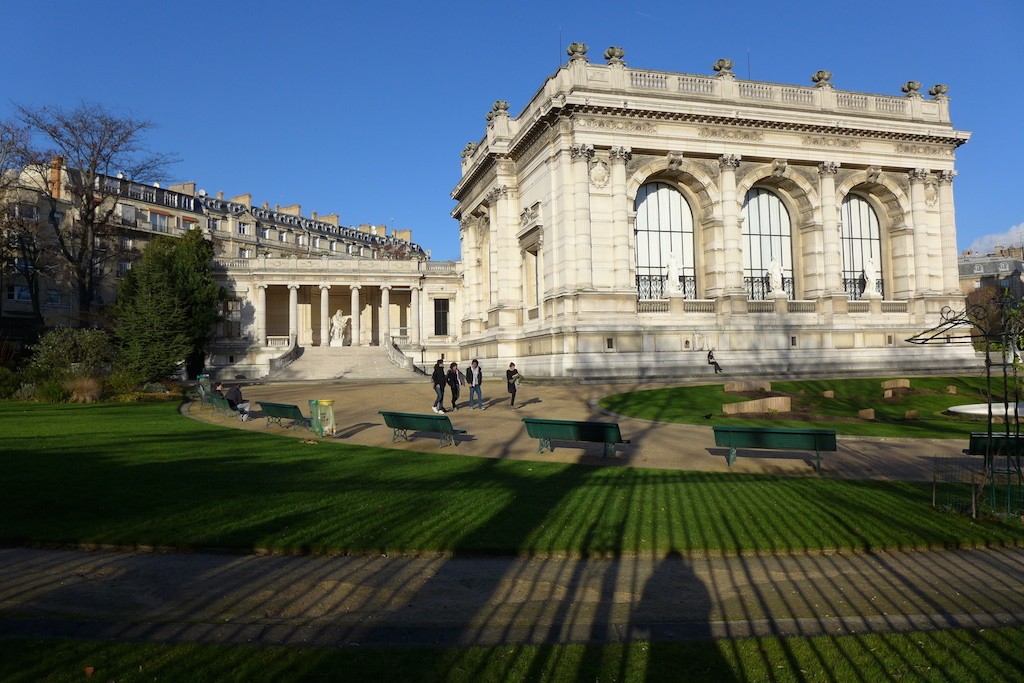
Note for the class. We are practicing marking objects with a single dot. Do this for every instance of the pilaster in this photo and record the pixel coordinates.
(947, 228)
(581, 156)
(919, 208)
(620, 218)
(728, 163)
(830, 226)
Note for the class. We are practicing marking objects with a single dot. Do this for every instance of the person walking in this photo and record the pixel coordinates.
(455, 381)
(512, 376)
(438, 379)
(475, 380)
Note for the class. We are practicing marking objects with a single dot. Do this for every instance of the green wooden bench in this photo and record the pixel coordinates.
(403, 423)
(776, 438)
(999, 444)
(571, 430)
(275, 412)
(221, 405)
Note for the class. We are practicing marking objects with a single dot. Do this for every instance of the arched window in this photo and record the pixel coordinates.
(767, 237)
(664, 243)
(860, 241)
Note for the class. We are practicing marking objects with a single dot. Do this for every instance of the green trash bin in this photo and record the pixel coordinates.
(314, 418)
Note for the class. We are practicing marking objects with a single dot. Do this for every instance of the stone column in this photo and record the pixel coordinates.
(947, 228)
(414, 316)
(261, 314)
(325, 315)
(355, 315)
(581, 156)
(830, 227)
(918, 207)
(732, 239)
(293, 314)
(620, 217)
(385, 314)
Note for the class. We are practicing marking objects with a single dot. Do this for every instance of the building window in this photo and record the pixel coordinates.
(767, 237)
(441, 317)
(282, 237)
(243, 228)
(159, 221)
(263, 232)
(125, 242)
(18, 293)
(334, 246)
(531, 277)
(214, 224)
(664, 243)
(860, 241)
(53, 297)
(244, 252)
(27, 212)
(123, 266)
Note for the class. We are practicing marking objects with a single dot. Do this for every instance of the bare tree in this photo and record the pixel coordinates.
(77, 159)
(11, 142)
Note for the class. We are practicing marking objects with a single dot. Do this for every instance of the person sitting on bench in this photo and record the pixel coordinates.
(234, 398)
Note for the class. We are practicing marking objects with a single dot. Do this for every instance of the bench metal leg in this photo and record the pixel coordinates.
(817, 462)
(271, 420)
(609, 449)
(447, 439)
(399, 433)
(732, 456)
(544, 444)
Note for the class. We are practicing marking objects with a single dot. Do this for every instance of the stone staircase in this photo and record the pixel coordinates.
(347, 362)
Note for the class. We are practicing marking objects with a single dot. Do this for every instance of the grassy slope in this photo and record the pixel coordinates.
(691, 405)
(990, 655)
(142, 474)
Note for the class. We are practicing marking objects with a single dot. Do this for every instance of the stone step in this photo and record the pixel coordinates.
(347, 362)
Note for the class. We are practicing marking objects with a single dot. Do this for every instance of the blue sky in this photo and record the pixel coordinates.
(363, 108)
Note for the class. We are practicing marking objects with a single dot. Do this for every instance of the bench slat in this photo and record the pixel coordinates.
(403, 423)
(607, 433)
(776, 438)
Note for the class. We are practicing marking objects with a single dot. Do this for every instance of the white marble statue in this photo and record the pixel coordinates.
(775, 275)
(672, 285)
(339, 328)
(870, 277)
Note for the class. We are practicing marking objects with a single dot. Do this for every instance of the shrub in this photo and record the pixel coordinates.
(65, 352)
(83, 389)
(51, 392)
(9, 382)
(26, 392)
(121, 382)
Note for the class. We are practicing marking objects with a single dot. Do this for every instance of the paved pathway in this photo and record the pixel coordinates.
(369, 601)
(499, 432)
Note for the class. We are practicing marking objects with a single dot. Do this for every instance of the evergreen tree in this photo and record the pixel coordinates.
(167, 306)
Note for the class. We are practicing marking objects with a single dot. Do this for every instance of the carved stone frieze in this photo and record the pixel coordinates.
(726, 133)
(918, 174)
(924, 150)
(829, 142)
(599, 174)
(496, 193)
(622, 125)
(529, 214)
(931, 191)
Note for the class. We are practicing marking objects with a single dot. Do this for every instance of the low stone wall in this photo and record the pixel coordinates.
(772, 404)
(741, 387)
(896, 384)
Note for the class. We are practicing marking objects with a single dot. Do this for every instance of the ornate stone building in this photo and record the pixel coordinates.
(627, 221)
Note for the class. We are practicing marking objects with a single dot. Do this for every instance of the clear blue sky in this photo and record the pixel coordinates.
(362, 108)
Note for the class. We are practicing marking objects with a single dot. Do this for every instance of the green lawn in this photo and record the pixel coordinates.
(991, 655)
(130, 474)
(693, 405)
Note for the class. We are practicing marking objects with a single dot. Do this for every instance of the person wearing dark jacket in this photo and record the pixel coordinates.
(438, 379)
(455, 381)
(475, 380)
(512, 376)
(234, 398)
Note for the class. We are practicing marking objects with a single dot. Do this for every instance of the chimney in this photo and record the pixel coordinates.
(56, 164)
(220, 195)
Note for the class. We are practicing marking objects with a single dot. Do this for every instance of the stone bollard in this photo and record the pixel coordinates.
(887, 393)
(896, 384)
(912, 415)
(829, 394)
(866, 414)
(951, 389)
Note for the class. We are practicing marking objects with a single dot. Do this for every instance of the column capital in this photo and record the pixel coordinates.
(581, 151)
(828, 168)
(946, 176)
(355, 287)
(730, 161)
(918, 175)
(324, 285)
(497, 192)
(262, 285)
(383, 287)
(622, 154)
(293, 286)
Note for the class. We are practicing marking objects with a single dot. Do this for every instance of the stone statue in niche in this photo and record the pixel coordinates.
(775, 276)
(672, 275)
(870, 278)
